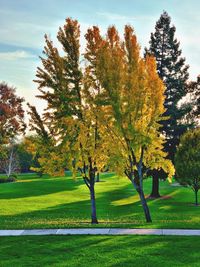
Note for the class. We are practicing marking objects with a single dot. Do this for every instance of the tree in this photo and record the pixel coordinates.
(173, 71)
(194, 90)
(9, 163)
(94, 43)
(70, 119)
(187, 161)
(47, 156)
(132, 101)
(156, 175)
(27, 153)
(11, 125)
(11, 114)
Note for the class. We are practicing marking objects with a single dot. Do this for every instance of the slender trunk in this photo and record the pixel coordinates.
(144, 205)
(10, 163)
(155, 187)
(196, 197)
(136, 177)
(141, 192)
(98, 178)
(93, 205)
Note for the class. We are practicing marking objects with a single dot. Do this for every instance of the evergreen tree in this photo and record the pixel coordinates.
(173, 71)
(194, 90)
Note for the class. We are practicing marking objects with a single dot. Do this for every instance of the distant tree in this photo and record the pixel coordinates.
(27, 158)
(32, 145)
(47, 156)
(132, 97)
(11, 125)
(194, 90)
(9, 163)
(11, 114)
(156, 175)
(173, 71)
(187, 161)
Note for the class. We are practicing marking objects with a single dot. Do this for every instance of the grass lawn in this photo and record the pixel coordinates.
(48, 202)
(84, 251)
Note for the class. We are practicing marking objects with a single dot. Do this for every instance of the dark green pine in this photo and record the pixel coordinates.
(173, 71)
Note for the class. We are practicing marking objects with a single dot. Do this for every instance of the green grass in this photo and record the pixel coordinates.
(84, 251)
(48, 202)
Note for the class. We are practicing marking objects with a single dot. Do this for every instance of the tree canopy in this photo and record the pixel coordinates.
(187, 161)
(11, 114)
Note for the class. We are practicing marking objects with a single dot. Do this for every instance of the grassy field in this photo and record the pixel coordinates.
(84, 251)
(48, 202)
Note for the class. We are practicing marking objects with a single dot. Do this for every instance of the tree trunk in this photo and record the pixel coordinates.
(98, 178)
(145, 206)
(155, 187)
(93, 205)
(10, 163)
(196, 197)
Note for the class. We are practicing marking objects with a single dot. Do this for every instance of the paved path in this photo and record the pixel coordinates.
(100, 231)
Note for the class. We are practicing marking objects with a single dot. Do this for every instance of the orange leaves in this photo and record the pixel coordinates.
(11, 113)
(134, 94)
(117, 97)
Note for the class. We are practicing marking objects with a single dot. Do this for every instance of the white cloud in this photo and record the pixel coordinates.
(119, 17)
(15, 55)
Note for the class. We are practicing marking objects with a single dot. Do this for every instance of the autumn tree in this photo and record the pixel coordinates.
(11, 114)
(172, 69)
(94, 43)
(187, 161)
(132, 101)
(47, 154)
(69, 118)
(11, 126)
(24, 156)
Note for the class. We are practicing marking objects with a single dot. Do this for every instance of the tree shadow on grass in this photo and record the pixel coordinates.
(76, 213)
(118, 206)
(38, 187)
(109, 251)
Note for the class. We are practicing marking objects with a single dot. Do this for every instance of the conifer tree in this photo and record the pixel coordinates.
(194, 90)
(173, 71)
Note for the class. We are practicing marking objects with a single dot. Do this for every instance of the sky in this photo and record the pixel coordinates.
(24, 23)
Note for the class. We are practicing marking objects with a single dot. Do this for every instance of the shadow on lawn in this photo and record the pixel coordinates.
(78, 212)
(39, 187)
(115, 251)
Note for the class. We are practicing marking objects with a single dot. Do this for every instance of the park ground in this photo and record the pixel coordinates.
(100, 251)
(61, 202)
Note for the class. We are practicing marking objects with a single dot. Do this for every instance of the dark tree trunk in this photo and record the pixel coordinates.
(98, 178)
(196, 197)
(145, 206)
(93, 205)
(155, 187)
(136, 177)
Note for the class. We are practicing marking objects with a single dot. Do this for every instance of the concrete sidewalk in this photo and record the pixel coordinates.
(100, 231)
